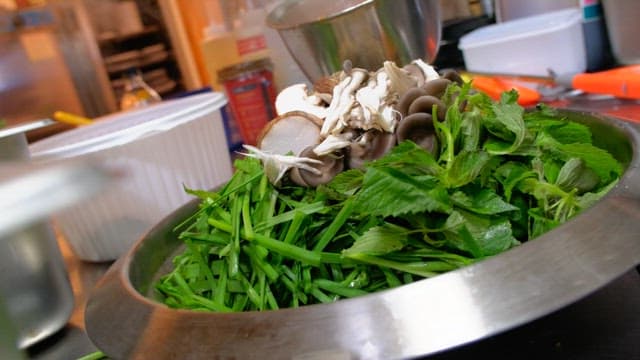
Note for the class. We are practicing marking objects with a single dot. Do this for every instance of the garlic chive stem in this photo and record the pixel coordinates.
(282, 248)
(246, 216)
(292, 232)
(335, 225)
(288, 250)
(338, 289)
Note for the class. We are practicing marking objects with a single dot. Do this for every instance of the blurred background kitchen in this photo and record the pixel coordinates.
(81, 56)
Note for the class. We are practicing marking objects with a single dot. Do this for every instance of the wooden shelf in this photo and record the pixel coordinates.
(142, 64)
(148, 50)
(107, 38)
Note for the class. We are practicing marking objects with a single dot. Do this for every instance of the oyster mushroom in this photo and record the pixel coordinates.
(421, 72)
(436, 87)
(452, 75)
(416, 72)
(425, 104)
(409, 97)
(375, 105)
(373, 145)
(342, 102)
(297, 98)
(400, 80)
(418, 128)
(333, 143)
(427, 70)
(276, 165)
(325, 84)
(350, 118)
(290, 132)
(326, 168)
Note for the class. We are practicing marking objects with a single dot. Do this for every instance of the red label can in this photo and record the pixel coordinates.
(249, 87)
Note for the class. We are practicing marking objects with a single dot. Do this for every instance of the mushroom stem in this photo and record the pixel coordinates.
(275, 166)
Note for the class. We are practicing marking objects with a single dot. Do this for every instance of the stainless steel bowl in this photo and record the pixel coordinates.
(523, 284)
(321, 35)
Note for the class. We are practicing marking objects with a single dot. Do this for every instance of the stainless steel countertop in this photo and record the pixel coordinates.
(605, 324)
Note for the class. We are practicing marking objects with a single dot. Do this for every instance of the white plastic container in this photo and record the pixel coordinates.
(535, 45)
(161, 149)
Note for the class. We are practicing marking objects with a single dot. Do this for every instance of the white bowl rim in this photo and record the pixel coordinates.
(127, 126)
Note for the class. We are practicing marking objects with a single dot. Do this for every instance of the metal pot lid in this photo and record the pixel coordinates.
(23, 128)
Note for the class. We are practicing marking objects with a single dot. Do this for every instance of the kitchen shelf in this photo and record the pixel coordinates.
(112, 37)
(147, 50)
(141, 64)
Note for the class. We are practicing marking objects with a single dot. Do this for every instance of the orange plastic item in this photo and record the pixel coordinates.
(622, 82)
(495, 86)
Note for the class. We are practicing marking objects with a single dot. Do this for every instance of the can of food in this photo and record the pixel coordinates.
(249, 87)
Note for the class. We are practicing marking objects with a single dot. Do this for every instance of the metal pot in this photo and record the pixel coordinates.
(321, 35)
(520, 285)
(36, 297)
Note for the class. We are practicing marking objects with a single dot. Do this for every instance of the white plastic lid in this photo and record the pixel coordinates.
(522, 28)
(124, 127)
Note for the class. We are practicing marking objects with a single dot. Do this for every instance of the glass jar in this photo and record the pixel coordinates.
(249, 87)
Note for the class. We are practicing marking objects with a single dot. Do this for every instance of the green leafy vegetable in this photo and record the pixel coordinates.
(501, 176)
(380, 240)
(505, 121)
(408, 194)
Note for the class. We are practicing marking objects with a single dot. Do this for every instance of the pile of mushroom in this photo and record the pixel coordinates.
(350, 117)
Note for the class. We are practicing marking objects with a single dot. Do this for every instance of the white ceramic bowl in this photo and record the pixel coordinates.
(162, 149)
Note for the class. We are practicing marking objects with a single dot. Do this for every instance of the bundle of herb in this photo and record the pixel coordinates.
(501, 176)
